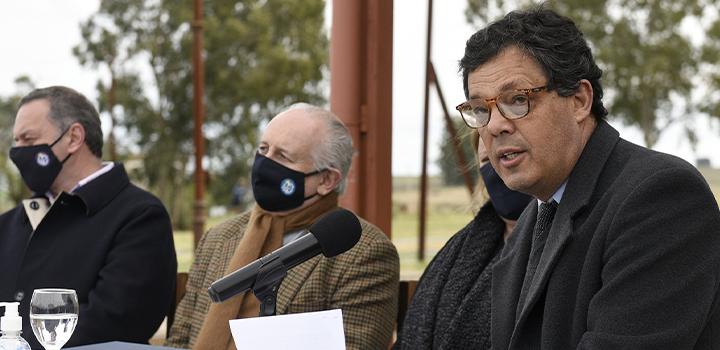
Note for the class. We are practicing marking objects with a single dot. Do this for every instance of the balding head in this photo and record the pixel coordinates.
(308, 130)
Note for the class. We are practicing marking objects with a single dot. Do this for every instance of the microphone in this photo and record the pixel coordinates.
(332, 234)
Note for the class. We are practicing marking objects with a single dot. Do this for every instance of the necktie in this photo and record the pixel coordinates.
(540, 232)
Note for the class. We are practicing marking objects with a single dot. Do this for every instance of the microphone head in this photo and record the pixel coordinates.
(336, 231)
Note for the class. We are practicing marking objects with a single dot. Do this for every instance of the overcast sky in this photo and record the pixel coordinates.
(38, 35)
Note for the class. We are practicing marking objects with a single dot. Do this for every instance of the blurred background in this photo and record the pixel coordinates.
(133, 59)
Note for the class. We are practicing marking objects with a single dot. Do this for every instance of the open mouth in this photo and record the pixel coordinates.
(510, 155)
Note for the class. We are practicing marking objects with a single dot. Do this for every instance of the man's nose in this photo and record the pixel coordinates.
(498, 124)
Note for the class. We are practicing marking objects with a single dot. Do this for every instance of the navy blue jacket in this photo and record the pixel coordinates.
(111, 242)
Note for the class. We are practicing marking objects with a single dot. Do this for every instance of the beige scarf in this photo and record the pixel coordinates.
(263, 235)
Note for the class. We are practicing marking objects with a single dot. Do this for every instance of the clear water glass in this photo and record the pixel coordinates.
(53, 316)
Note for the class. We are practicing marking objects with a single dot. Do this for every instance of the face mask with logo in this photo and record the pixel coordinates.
(38, 164)
(507, 203)
(277, 187)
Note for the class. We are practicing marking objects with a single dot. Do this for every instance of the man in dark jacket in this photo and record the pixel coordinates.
(85, 228)
(623, 249)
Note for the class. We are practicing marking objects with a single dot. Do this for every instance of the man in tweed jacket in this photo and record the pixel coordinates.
(362, 281)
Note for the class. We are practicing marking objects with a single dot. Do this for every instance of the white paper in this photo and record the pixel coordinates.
(311, 330)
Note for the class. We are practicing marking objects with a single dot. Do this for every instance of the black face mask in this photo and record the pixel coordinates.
(38, 164)
(508, 203)
(277, 187)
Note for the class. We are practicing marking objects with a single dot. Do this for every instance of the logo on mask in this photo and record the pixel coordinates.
(38, 164)
(287, 187)
(42, 159)
(277, 187)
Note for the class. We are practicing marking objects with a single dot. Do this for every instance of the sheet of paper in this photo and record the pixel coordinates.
(321, 330)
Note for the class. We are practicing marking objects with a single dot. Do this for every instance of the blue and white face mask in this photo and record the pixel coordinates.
(277, 187)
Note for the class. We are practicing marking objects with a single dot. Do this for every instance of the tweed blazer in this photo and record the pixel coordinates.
(631, 261)
(362, 282)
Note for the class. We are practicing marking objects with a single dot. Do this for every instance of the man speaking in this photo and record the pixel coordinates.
(623, 249)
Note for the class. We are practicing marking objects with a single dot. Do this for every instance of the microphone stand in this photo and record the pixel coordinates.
(268, 280)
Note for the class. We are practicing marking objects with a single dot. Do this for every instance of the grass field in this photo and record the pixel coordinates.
(449, 209)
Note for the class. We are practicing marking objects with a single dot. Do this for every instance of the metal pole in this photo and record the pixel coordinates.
(199, 116)
(377, 114)
(361, 95)
(347, 60)
(457, 147)
(423, 176)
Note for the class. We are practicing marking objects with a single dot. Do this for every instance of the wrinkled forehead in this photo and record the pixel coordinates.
(33, 118)
(512, 68)
(295, 131)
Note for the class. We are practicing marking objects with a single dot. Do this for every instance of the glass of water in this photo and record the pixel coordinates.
(53, 316)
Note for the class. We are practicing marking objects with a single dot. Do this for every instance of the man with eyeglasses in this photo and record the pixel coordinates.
(622, 248)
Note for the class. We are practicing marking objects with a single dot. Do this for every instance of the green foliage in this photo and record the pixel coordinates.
(12, 188)
(448, 160)
(710, 56)
(648, 62)
(260, 56)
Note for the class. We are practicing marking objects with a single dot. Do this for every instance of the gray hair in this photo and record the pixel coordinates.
(68, 106)
(336, 150)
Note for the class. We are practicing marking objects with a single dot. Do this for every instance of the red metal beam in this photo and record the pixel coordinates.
(426, 125)
(199, 116)
(361, 95)
(462, 164)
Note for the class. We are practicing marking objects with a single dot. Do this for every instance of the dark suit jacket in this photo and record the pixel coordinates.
(111, 242)
(632, 260)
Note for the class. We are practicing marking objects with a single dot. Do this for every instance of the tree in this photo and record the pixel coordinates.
(448, 163)
(109, 42)
(710, 56)
(260, 56)
(11, 185)
(648, 60)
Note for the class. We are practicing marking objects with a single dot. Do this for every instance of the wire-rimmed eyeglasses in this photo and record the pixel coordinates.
(512, 104)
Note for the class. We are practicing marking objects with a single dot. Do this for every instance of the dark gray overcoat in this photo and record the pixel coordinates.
(632, 260)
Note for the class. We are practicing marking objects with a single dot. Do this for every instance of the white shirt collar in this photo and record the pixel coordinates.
(557, 196)
(107, 166)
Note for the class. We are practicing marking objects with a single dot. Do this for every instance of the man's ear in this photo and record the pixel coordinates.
(582, 101)
(77, 137)
(329, 181)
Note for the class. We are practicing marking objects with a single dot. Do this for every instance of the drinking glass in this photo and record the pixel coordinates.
(53, 316)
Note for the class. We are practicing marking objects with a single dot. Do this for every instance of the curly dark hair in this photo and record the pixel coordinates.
(554, 41)
(68, 106)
